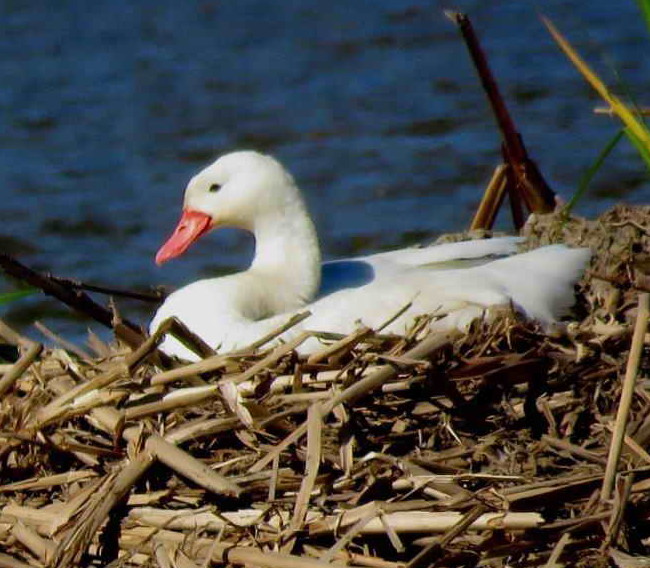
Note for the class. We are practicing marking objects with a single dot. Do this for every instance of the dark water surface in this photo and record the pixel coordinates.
(107, 109)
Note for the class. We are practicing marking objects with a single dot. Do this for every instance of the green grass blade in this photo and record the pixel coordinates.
(19, 294)
(644, 6)
(592, 170)
(623, 111)
(644, 151)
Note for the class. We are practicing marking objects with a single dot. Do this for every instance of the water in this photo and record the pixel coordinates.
(107, 110)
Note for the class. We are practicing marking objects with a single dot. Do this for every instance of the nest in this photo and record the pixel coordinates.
(502, 446)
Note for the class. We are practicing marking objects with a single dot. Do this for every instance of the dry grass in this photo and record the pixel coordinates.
(505, 446)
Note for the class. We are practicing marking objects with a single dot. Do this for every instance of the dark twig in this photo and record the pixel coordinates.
(524, 176)
(75, 299)
(155, 297)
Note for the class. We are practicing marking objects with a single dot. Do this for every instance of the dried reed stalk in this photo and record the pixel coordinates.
(188, 466)
(113, 490)
(629, 383)
(426, 521)
(19, 367)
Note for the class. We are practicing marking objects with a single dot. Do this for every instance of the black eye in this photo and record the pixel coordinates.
(214, 188)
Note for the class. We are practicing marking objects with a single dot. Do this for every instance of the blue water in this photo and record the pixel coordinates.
(107, 109)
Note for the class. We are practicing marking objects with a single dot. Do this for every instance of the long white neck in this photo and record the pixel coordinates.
(287, 263)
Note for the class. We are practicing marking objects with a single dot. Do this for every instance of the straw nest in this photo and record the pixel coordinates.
(504, 446)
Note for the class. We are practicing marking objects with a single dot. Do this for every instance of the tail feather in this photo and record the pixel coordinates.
(540, 282)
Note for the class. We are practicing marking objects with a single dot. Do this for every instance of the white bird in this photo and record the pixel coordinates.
(254, 192)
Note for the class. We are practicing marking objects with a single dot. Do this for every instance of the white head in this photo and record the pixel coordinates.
(240, 189)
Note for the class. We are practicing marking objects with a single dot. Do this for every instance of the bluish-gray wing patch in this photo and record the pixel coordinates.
(340, 274)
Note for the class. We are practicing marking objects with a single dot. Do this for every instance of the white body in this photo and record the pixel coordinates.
(258, 195)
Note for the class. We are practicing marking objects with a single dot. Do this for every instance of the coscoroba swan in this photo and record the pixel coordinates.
(254, 192)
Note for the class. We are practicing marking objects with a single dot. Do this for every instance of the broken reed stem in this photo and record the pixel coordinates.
(64, 403)
(271, 358)
(44, 549)
(146, 348)
(60, 406)
(174, 400)
(12, 375)
(627, 394)
(405, 522)
(208, 365)
(108, 496)
(339, 346)
(314, 449)
(352, 532)
(200, 428)
(169, 454)
(621, 498)
(61, 342)
(292, 322)
(559, 547)
(48, 481)
(190, 467)
(354, 559)
(119, 371)
(216, 362)
(492, 200)
(191, 519)
(187, 337)
(162, 555)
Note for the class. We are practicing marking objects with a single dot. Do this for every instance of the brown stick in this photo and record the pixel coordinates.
(530, 184)
(77, 300)
(154, 297)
